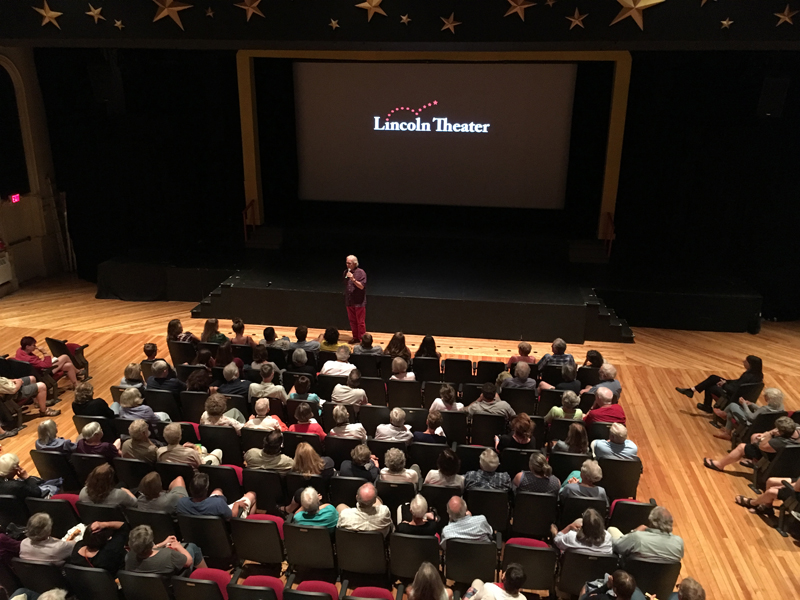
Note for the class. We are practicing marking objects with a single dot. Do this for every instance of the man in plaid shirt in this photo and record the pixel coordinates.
(558, 357)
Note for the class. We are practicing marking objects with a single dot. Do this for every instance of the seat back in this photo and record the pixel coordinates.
(375, 388)
(539, 564)
(224, 478)
(211, 534)
(88, 583)
(438, 496)
(372, 416)
(656, 578)
(292, 439)
(552, 374)
(573, 508)
(189, 588)
(394, 494)
(193, 405)
(627, 515)
(408, 552)
(750, 391)
(579, 567)
(564, 463)
(85, 464)
(89, 512)
(367, 364)
(241, 591)
(514, 460)
(308, 547)
(269, 487)
(426, 369)
(404, 393)
(245, 353)
(254, 438)
(326, 383)
(786, 463)
(763, 422)
(488, 370)
(296, 481)
(620, 477)
(470, 456)
(342, 490)
(598, 431)
(39, 576)
(385, 366)
(181, 352)
(485, 427)
(144, 586)
(454, 424)
(215, 437)
(457, 370)
(521, 400)
(116, 392)
(559, 428)
(588, 376)
(465, 561)
(470, 392)
(339, 448)
(130, 471)
(146, 368)
(184, 371)
(361, 552)
(327, 414)
(12, 511)
(257, 540)
(587, 401)
(61, 512)
(379, 448)
(109, 431)
(169, 471)
(533, 514)
(547, 400)
(163, 401)
(424, 455)
(492, 504)
(430, 392)
(162, 523)
(52, 465)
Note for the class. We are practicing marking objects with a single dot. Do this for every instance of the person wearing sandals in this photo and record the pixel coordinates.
(775, 489)
(26, 388)
(744, 412)
(761, 444)
(61, 364)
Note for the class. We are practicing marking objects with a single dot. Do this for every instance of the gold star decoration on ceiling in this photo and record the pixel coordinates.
(633, 9)
(50, 16)
(726, 24)
(518, 7)
(784, 17)
(95, 14)
(334, 24)
(372, 7)
(450, 23)
(209, 12)
(251, 8)
(577, 20)
(170, 8)
(118, 24)
(404, 19)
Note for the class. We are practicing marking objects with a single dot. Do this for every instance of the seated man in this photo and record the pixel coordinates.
(234, 385)
(263, 420)
(169, 557)
(465, 526)
(429, 436)
(351, 392)
(270, 456)
(139, 445)
(488, 477)
(689, 589)
(603, 411)
(271, 340)
(558, 357)
(521, 379)
(396, 430)
(62, 364)
(340, 366)
(312, 513)
(266, 389)
(163, 378)
(608, 379)
(200, 503)
(40, 546)
(620, 585)
(188, 454)
(25, 388)
(617, 445)
(513, 579)
(369, 514)
(584, 485)
(301, 333)
(489, 403)
(653, 542)
(761, 444)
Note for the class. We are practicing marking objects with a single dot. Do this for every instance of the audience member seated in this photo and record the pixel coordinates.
(742, 412)
(270, 456)
(773, 490)
(175, 333)
(329, 340)
(608, 380)
(488, 477)
(190, 454)
(448, 465)
(344, 428)
(619, 585)
(340, 366)
(521, 379)
(300, 363)
(400, 370)
(100, 489)
(725, 390)
(265, 389)
(447, 400)
(139, 446)
(204, 358)
(40, 546)
(307, 462)
(489, 403)
(215, 413)
(132, 376)
(362, 463)
(593, 359)
(367, 347)
(27, 388)
(91, 442)
(427, 348)
(271, 340)
(199, 381)
(616, 446)
(211, 333)
(568, 409)
(509, 589)
(14, 480)
(369, 513)
(577, 441)
(539, 479)
(313, 514)
(263, 420)
(434, 424)
(653, 542)
(396, 430)
(603, 410)
(559, 356)
(201, 503)
(62, 364)
(163, 378)
(587, 534)
(86, 405)
(463, 525)
(151, 353)
(584, 484)
(395, 470)
(761, 444)
(301, 388)
(689, 589)
(521, 436)
(397, 347)
(49, 440)
(169, 557)
(428, 584)
(102, 546)
(240, 339)
(569, 383)
(225, 357)
(153, 498)
(234, 385)
(132, 407)
(524, 349)
(350, 392)
(301, 333)
(422, 521)
(306, 423)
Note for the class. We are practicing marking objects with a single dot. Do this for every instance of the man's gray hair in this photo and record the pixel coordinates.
(343, 353)
(607, 372)
(419, 506)
(559, 346)
(489, 460)
(661, 519)
(570, 400)
(522, 370)
(689, 589)
(309, 499)
(397, 417)
(462, 508)
(395, 460)
(54, 594)
(140, 541)
(774, 398)
(160, 366)
(605, 395)
(617, 433)
(299, 357)
(591, 472)
(39, 527)
(354, 257)
(230, 372)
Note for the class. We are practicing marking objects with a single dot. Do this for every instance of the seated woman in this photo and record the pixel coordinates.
(169, 557)
(397, 347)
(153, 498)
(86, 405)
(199, 381)
(587, 534)
(306, 423)
(329, 340)
(300, 364)
(211, 333)
(133, 407)
(367, 347)
(568, 409)
(40, 546)
(175, 333)
(100, 489)
(344, 428)
(300, 391)
(204, 358)
(261, 357)
(446, 400)
(744, 412)
(577, 441)
(216, 414)
(307, 462)
(400, 370)
(14, 480)
(132, 377)
(422, 521)
(102, 546)
(775, 489)
(584, 484)
(313, 514)
(225, 357)
(395, 469)
(49, 440)
(240, 338)
(714, 385)
(262, 419)
(91, 442)
(761, 444)
(362, 463)
(190, 454)
(427, 348)
(428, 584)
(139, 446)
(524, 355)
(539, 479)
(447, 473)
(521, 436)
(593, 359)
(569, 372)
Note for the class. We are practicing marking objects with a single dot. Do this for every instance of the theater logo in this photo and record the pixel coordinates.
(436, 124)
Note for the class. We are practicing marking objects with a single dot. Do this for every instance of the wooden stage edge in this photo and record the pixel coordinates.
(733, 553)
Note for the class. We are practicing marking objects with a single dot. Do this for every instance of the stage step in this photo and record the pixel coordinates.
(602, 322)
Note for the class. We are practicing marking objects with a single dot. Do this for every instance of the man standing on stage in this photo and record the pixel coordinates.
(355, 298)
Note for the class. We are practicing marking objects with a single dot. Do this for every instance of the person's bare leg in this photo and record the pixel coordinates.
(41, 397)
(202, 565)
(734, 456)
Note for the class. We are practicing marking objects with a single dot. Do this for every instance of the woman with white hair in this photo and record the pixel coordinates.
(344, 428)
(584, 485)
(49, 440)
(400, 370)
(40, 546)
(488, 477)
(14, 480)
(139, 446)
(91, 442)
(395, 469)
(422, 521)
(568, 409)
(587, 534)
(742, 412)
(608, 379)
(133, 407)
(396, 429)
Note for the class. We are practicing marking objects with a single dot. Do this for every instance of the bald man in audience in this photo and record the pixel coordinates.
(521, 379)
(603, 410)
(369, 514)
(464, 525)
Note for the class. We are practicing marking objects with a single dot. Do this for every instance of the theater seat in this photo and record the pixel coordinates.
(266, 581)
(71, 498)
(218, 576)
(278, 521)
(319, 587)
(521, 541)
(372, 592)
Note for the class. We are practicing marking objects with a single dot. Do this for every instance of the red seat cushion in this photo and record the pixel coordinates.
(614, 503)
(277, 520)
(71, 498)
(266, 581)
(372, 592)
(218, 576)
(320, 587)
(238, 472)
(196, 428)
(531, 543)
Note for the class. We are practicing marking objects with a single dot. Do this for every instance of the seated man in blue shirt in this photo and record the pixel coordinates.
(200, 503)
(617, 445)
(608, 379)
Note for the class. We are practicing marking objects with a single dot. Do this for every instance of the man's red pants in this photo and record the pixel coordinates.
(357, 316)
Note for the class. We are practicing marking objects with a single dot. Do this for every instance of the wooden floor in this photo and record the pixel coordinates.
(732, 553)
